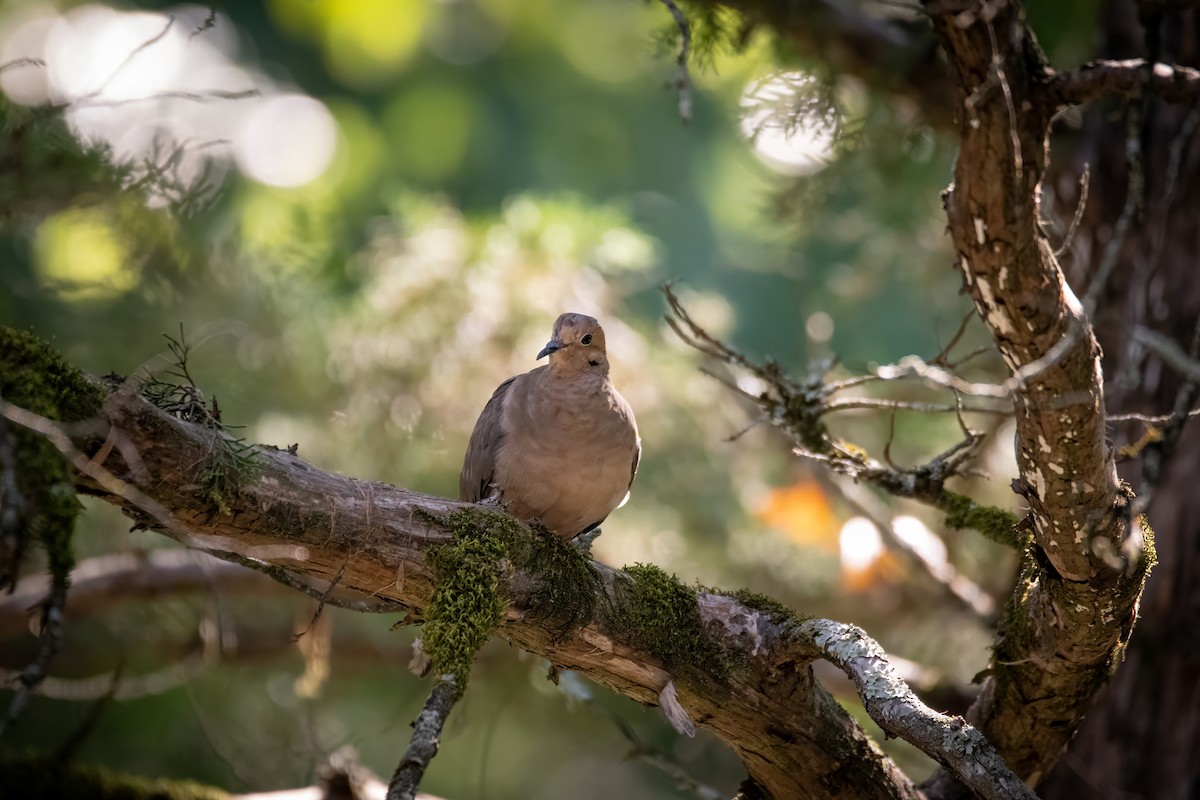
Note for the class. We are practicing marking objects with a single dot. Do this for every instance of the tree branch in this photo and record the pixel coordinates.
(1097, 80)
(1066, 625)
(316, 524)
(99, 582)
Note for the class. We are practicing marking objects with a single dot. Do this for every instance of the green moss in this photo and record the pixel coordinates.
(473, 572)
(34, 377)
(757, 601)
(28, 776)
(994, 523)
(466, 607)
(657, 612)
(565, 583)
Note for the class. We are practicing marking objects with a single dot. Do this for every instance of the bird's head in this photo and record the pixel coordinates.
(577, 344)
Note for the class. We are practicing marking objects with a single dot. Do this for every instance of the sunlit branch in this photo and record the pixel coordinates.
(1126, 78)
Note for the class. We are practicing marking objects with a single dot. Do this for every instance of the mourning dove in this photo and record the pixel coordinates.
(557, 444)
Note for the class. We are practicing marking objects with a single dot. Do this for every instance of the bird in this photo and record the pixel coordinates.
(557, 445)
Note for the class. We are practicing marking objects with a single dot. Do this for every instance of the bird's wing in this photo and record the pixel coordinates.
(627, 413)
(479, 464)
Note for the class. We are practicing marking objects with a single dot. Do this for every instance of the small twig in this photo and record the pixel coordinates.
(874, 403)
(683, 79)
(910, 366)
(940, 358)
(50, 641)
(1148, 419)
(23, 61)
(1134, 197)
(427, 731)
(652, 756)
(1080, 206)
(1159, 452)
(129, 58)
(887, 447)
(323, 600)
(279, 574)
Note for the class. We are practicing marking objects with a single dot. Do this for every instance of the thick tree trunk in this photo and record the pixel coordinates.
(1142, 738)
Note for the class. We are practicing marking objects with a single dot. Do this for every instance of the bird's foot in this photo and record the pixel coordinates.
(584, 540)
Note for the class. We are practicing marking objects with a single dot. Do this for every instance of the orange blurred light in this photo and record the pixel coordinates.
(802, 512)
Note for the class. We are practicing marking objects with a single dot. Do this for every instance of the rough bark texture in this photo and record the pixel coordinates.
(1142, 739)
(1066, 624)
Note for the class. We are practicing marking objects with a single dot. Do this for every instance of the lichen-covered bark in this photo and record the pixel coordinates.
(1143, 735)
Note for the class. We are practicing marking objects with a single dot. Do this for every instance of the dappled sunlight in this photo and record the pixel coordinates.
(287, 140)
(792, 128)
(365, 42)
(163, 99)
(82, 256)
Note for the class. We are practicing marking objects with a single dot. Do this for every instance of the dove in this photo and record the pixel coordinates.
(557, 445)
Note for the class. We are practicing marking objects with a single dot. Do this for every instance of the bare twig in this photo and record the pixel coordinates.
(48, 646)
(98, 582)
(1149, 419)
(1080, 207)
(683, 80)
(1159, 452)
(322, 601)
(883, 404)
(1107, 78)
(129, 58)
(941, 358)
(427, 731)
(23, 61)
(652, 756)
(1134, 199)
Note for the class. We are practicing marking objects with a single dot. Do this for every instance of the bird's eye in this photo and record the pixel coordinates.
(586, 340)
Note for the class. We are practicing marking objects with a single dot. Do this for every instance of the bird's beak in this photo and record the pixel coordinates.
(552, 346)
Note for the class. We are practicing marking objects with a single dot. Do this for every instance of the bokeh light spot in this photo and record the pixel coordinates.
(80, 256)
(288, 140)
(792, 131)
(368, 41)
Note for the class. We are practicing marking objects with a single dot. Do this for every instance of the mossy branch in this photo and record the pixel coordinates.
(739, 665)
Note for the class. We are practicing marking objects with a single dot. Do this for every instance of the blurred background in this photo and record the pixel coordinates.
(367, 214)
